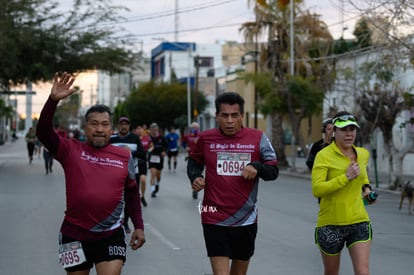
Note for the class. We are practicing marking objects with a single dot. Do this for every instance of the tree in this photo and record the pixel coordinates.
(389, 21)
(66, 114)
(312, 42)
(5, 111)
(381, 100)
(393, 29)
(376, 94)
(163, 103)
(363, 33)
(37, 40)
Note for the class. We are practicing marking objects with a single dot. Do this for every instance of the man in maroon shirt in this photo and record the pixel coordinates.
(189, 141)
(97, 175)
(234, 158)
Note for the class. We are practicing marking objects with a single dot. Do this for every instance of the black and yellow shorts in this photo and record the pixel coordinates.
(331, 238)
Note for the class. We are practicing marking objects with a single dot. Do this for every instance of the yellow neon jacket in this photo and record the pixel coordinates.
(341, 200)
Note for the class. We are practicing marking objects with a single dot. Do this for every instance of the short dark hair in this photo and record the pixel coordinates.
(98, 108)
(230, 98)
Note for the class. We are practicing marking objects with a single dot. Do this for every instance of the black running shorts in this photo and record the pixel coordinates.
(235, 242)
(158, 166)
(111, 248)
(142, 168)
(172, 153)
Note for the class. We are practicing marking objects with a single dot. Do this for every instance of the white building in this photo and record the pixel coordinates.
(115, 88)
(347, 87)
(197, 65)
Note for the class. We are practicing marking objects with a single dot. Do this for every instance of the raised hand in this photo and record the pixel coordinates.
(62, 86)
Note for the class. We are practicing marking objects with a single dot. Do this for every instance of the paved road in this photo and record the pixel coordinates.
(32, 206)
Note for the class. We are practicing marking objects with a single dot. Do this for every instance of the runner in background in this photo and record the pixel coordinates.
(142, 162)
(173, 146)
(156, 157)
(188, 142)
(131, 142)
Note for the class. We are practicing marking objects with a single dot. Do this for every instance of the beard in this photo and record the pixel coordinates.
(99, 142)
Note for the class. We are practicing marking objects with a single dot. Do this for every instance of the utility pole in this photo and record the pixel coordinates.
(189, 85)
(176, 19)
(292, 72)
(256, 57)
(91, 95)
(28, 121)
(197, 64)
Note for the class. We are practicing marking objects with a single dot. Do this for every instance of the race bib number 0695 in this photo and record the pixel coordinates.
(71, 254)
(232, 164)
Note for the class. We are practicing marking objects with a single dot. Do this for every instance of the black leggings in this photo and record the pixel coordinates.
(30, 148)
(48, 160)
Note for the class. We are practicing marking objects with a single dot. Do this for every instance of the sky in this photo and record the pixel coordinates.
(208, 21)
(202, 21)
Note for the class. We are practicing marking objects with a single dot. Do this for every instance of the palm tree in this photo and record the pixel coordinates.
(6, 112)
(312, 75)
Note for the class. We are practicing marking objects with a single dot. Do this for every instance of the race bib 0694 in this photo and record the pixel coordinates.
(232, 164)
(71, 254)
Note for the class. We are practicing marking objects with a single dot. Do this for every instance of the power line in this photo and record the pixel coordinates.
(182, 31)
(173, 12)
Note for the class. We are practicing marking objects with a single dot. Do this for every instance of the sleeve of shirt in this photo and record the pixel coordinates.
(320, 185)
(184, 141)
(267, 168)
(44, 128)
(194, 169)
(139, 153)
(195, 162)
(165, 144)
(132, 198)
(311, 157)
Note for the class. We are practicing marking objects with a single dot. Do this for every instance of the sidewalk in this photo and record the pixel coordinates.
(13, 150)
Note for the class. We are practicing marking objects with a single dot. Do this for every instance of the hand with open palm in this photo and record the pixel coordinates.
(62, 86)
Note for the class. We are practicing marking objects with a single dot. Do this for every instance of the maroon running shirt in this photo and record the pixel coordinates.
(95, 183)
(229, 199)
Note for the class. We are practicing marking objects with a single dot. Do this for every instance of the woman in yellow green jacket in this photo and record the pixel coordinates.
(340, 180)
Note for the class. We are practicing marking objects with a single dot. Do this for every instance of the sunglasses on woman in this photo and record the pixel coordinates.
(344, 118)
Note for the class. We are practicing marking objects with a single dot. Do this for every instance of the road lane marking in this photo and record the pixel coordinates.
(161, 237)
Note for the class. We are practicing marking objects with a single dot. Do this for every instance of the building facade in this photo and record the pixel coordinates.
(350, 84)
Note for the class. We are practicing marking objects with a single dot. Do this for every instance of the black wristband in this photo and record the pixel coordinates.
(366, 186)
